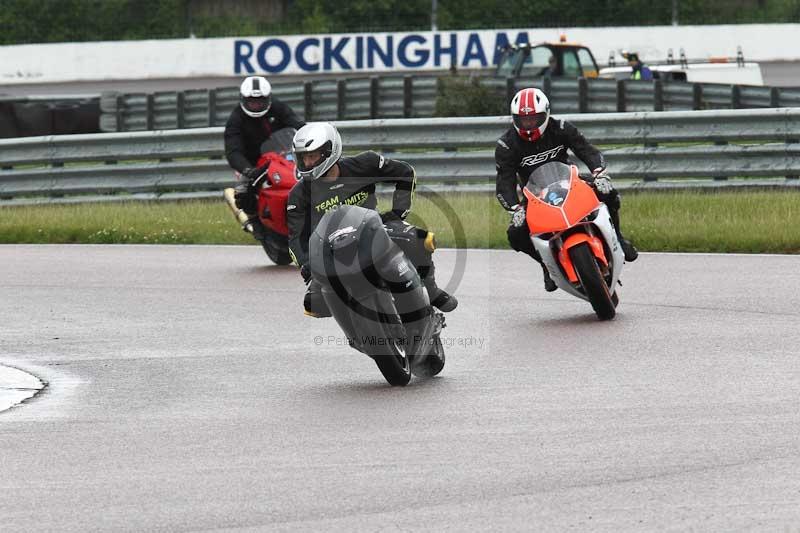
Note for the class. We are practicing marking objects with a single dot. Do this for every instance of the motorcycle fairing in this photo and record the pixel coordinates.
(573, 240)
(603, 229)
(274, 193)
(558, 212)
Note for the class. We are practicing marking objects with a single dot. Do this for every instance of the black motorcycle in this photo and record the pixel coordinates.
(375, 294)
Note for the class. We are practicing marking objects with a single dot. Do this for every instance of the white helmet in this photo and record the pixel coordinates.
(255, 96)
(530, 110)
(319, 137)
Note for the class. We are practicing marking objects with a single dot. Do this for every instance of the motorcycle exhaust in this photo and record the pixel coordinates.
(241, 216)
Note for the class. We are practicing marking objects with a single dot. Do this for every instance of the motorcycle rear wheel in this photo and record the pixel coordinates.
(594, 286)
(278, 256)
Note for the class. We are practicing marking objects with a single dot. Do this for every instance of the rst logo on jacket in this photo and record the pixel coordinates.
(541, 157)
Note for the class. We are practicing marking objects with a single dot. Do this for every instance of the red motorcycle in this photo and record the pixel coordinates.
(273, 188)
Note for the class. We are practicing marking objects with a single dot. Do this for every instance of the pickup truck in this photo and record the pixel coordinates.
(559, 59)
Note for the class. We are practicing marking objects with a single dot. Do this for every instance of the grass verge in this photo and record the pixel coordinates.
(751, 222)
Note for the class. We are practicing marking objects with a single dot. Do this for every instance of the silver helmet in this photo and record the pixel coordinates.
(320, 138)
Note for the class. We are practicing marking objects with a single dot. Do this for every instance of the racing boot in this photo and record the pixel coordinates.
(439, 298)
(314, 304)
(549, 284)
(442, 300)
(630, 251)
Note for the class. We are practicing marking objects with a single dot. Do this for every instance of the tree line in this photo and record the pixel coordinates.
(41, 21)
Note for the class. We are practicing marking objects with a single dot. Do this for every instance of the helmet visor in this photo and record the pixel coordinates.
(308, 160)
(257, 104)
(529, 122)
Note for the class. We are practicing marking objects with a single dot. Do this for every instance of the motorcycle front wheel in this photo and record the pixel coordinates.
(389, 353)
(434, 362)
(594, 286)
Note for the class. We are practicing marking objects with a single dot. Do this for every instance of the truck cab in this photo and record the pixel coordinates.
(560, 59)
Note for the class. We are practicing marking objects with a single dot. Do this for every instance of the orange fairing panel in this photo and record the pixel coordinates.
(577, 238)
(581, 200)
(544, 218)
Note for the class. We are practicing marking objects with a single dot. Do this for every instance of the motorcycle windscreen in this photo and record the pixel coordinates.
(280, 142)
(557, 198)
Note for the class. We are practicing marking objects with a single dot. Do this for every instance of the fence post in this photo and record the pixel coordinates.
(180, 119)
(775, 97)
(373, 97)
(658, 95)
(408, 94)
(736, 97)
(788, 142)
(308, 102)
(697, 96)
(547, 87)
(511, 89)
(148, 109)
(341, 100)
(621, 103)
(212, 107)
(720, 143)
(120, 112)
(583, 95)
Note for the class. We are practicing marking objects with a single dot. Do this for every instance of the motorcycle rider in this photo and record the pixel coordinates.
(537, 138)
(249, 125)
(329, 180)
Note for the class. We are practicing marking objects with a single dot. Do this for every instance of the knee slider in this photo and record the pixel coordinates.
(518, 239)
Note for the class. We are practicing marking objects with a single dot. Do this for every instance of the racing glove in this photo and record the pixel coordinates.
(245, 199)
(602, 181)
(518, 217)
(251, 174)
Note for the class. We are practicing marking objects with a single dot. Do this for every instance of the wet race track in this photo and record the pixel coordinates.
(187, 391)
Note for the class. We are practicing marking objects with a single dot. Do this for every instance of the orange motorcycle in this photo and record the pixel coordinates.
(572, 231)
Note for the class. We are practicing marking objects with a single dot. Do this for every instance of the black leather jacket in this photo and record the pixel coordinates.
(244, 134)
(308, 201)
(516, 158)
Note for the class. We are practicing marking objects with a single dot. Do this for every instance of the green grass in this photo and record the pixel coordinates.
(190, 222)
(737, 221)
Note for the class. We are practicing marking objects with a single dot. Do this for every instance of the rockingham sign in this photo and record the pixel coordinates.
(375, 53)
(361, 53)
(271, 55)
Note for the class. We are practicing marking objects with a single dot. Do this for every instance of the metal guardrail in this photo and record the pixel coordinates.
(699, 144)
(415, 96)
